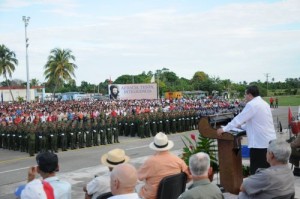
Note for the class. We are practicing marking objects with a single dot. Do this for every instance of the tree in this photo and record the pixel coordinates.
(34, 82)
(59, 67)
(8, 63)
(200, 76)
(124, 79)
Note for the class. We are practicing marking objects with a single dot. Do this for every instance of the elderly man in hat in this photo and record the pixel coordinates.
(47, 168)
(161, 164)
(101, 184)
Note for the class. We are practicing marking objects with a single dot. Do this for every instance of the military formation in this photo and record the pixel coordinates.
(79, 133)
(64, 135)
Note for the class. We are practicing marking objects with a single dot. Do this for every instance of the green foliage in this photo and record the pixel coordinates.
(289, 100)
(34, 82)
(8, 63)
(59, 67)
(246, 170)
(20, 99)
(201, 144)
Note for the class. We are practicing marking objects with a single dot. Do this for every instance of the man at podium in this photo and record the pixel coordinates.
(256, 118)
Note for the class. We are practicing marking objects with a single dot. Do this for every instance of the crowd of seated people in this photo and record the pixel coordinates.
(125, 181)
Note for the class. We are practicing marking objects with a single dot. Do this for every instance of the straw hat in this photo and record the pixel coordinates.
(114, 157)
(161, 142)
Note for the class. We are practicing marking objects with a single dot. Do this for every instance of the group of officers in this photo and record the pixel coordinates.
(72, 134)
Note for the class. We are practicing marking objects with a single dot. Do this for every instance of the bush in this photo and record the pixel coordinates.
(201, 144)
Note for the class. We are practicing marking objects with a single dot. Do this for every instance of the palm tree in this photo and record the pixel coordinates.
(34, 82)
(59, 67)
(8, 61)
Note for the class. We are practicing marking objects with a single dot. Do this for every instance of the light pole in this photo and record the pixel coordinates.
(26, 21)
(267, 76)
(157, 78)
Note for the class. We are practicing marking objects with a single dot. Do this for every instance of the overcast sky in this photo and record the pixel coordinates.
(240, 40)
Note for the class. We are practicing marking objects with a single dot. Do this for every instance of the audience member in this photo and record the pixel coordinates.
(277, 180)
(202, 188)
(295, 156)
(37, 189)
(123, 179)
(159, 165)
(101, 184)
(47, 166)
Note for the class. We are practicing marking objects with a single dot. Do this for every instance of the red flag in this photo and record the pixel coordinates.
(290, 116)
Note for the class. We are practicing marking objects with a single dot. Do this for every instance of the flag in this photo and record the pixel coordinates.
(290, 116)
(152, 79)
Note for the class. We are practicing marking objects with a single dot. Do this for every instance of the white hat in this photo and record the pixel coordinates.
(161, 142)
(114, 157)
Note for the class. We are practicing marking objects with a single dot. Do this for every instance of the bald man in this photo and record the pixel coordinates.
(123, 179)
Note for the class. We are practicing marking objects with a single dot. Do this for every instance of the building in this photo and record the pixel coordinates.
(37, 93)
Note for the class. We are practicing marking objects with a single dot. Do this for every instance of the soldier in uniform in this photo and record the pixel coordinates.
(121, 125)
(41, 138)
(141, 126)
(187, 121)
(88, 133)
(3, 134)
(179, 125)
(153, 124)
(115, 130)
(108, 131)
(52, 137)
(102, 131)
(182, 122)
(63, 136)
(147, 125)
(173, 122)
(132, 126)
(126, 126)
(15, 138)
(8, 136)
(80, 135)
(160, 122)
(21, 133)
(193, 120)
(73, 135)
(31, 140)
(95, 132)
(166, 123)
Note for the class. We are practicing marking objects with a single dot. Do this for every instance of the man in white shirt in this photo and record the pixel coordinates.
(47, 168)
(256, 118)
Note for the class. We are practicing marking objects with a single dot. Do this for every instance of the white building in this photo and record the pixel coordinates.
(20, 92)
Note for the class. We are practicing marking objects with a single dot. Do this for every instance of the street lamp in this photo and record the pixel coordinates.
(26, 21)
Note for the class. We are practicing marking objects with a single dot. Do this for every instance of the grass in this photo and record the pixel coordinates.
(288, 100)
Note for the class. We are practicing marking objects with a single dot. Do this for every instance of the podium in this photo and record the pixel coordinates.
(229, 151)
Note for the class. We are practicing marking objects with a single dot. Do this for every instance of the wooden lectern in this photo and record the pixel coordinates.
(229, 151)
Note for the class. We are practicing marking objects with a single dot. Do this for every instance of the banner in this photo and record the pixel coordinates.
(132, 91)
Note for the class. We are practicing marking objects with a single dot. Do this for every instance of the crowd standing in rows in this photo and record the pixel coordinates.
(39, 127)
